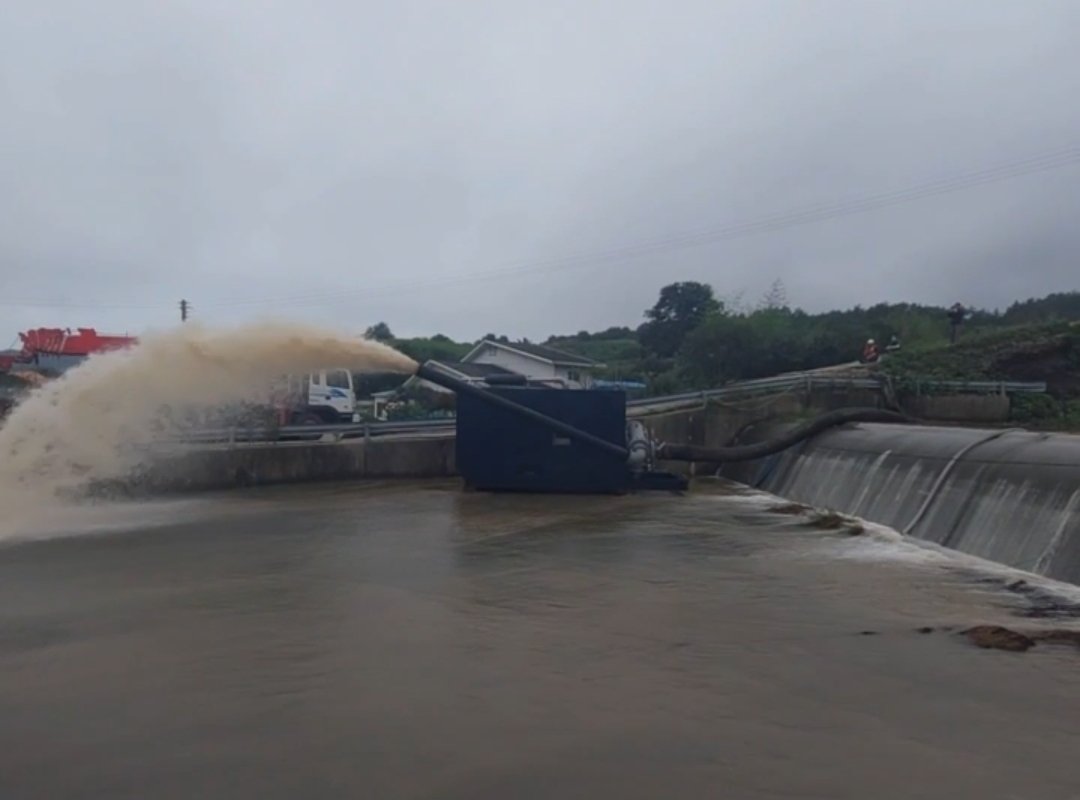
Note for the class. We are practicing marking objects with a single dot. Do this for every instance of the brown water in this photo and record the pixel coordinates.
(418, 642)
(96, 421)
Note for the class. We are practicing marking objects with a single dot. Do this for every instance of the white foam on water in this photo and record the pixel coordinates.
(880, 543)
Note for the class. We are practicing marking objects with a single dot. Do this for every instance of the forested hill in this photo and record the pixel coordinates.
(690, 339)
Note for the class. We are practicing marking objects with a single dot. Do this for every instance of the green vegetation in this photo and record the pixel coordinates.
(438, 347)
(689, 339)
(1048, 352)
(1007, 353)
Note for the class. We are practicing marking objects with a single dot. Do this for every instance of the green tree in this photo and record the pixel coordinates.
(1057, 306)
(380, 332)
(719, 350)
(680, 308)
(776, 297)
(423, 349)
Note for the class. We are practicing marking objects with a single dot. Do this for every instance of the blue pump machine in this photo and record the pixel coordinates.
(521, 438)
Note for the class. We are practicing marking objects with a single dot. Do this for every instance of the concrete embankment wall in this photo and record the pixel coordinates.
(222, 467)
(1008, 496)
(970, 409)
(720, 423)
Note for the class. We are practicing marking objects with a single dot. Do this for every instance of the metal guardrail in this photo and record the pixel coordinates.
(806, 381)
(809, 381)
(308, 433)
(983, 387)
(779, 383)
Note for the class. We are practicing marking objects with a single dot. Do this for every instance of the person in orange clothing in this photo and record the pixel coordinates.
(870, 352)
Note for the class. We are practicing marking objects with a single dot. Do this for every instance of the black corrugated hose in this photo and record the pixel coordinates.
(752, 452)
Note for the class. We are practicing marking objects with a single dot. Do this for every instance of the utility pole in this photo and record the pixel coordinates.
(184, 308)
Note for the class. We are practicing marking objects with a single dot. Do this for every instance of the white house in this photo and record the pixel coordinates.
(538, 363)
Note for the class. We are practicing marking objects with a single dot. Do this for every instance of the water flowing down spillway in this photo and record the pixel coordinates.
(1007, 496)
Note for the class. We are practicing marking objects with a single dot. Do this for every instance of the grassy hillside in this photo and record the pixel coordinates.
(1048, 352)
(606, 351)
(621, 357)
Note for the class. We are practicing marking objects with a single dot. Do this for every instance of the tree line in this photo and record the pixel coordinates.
(691, 339)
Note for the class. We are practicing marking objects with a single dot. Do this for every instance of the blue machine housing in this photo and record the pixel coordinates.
(500, 450)
(516, 438)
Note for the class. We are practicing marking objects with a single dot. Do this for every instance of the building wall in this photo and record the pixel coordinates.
(532, 368)
(55, 362)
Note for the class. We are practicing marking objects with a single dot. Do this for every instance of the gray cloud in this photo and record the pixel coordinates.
(350, 162)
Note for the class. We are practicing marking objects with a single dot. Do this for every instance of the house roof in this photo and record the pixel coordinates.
(61, 341)
(550, 354)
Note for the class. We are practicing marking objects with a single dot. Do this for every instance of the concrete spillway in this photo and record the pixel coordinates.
(1008, 496)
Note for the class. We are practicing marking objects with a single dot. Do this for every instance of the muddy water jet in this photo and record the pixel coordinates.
(94, 423)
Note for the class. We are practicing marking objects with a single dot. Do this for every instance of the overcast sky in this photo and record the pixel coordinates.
(470, 167)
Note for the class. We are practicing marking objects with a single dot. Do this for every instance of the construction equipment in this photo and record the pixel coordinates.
(531, 439)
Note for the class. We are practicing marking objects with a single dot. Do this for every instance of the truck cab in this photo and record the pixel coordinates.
(324, 397)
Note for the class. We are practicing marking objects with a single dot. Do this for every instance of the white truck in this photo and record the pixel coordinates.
(325, 397)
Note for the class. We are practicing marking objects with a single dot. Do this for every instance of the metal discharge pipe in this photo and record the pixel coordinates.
(435, 375)
(752, 452)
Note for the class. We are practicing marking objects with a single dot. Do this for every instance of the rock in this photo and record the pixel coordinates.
(791, 509)
(995, 637)
(1059, 637)
(828, 521)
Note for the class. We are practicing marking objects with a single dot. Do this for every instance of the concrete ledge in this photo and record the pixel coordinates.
(960, 408)
(295, 462)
